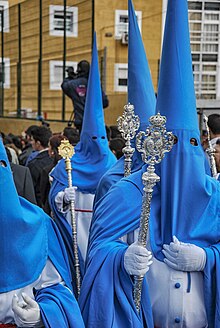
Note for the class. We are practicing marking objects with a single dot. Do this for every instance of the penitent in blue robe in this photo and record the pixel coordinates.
(28, 239)
(106, 298)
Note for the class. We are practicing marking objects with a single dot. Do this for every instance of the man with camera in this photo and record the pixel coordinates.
(75, 87)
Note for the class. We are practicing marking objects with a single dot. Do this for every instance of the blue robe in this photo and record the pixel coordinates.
(58, 306)
(115, 216)
(105, 278)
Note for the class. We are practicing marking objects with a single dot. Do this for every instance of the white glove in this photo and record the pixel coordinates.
(26, 312)
(137, 259)
(184, 257)
(69, 194)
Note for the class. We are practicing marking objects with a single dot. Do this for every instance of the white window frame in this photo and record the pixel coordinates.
(118, 14)
(117, 87)
(54, 83)
(73, 10)
(6, 73)
(203, 21)
(5, 5)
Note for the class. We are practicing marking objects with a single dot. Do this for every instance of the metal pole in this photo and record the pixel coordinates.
(103, 69)
(3, 64)
(93, 21)
(40, 62)
(64, 60)
(19, 64)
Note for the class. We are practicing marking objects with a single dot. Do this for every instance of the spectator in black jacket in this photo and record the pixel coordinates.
(75, 87)
(22, 179)
(41, 137)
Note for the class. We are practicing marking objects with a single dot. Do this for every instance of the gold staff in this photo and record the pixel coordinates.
(152, 144)
(66, 151)
(210, 150)
(128, 124)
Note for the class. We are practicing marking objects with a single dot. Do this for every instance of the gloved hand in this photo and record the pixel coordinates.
(137, 260)
(184, 257)
(69, 194)
(26, 312)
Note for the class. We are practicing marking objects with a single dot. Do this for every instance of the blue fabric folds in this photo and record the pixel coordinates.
(23, 229)
(212, 285)
(105, 277)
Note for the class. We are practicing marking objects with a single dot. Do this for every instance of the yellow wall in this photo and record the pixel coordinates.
(77, 49)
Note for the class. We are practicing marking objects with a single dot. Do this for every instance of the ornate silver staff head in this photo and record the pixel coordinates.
(128, 124)
(155, 142)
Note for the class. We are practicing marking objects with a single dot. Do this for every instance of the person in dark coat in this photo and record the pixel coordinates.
(22, 179)
(45, 183)
(41, 138)
(75, 87)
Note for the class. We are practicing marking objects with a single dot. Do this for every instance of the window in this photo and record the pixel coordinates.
(195, 5)
(204, 22)
(121, 77)
(56, 73)
(210, 58)
(57, 21)
(4, 8)
(5, 73)
(121, 22)
(212, 5)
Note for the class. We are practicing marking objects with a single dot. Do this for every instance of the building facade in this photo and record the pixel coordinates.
(35, 49)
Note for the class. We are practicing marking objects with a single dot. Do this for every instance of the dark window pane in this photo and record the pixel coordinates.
(209, 58)
(212, 6)
(123, 82)
(195, 57)
(195, 5)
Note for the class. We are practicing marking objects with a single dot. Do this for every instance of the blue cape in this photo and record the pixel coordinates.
(29, 237)
(59, 307)
(105, 278)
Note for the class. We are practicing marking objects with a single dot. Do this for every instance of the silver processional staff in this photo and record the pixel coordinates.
(128, 124)
(152, 144)
(66, 151)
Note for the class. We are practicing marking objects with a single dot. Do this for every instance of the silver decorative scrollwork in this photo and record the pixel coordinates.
(210, 150)
(152, 144)
(128, 124)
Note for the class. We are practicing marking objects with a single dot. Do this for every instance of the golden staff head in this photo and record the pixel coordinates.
(66, 150)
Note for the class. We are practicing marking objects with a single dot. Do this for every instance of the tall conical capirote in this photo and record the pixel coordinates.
(176, 96)
(23, 234)
(92, 156)
(140, 87)
(185, 197)
(93, 120)
(140, 94)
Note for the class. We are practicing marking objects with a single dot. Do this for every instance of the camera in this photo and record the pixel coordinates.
(71, 73)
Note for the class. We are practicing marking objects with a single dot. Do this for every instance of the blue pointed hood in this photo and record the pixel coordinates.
(23, 241)
(140, 87)
(186, 201)
(93, 121)
(93, 156)
(140, 94)
(176, 95)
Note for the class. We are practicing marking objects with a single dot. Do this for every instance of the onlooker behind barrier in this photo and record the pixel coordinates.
(75, 87)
